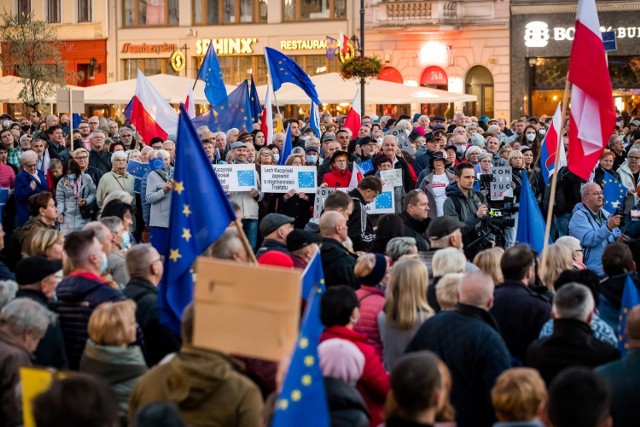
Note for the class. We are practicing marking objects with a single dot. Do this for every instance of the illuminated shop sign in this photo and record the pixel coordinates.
(303, 44)
(148, 48)
(237, 46)
(538, 33)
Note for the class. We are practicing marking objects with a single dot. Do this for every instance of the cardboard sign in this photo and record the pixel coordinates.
(321, 195)
(501, 185)
(138, 170)
(246, 310)
(282, 179)
(34, 381)
(383, 204)
(403, 139)
(392, 178)
(236, 177)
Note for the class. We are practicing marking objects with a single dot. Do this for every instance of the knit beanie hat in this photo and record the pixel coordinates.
(341, 359)
(377, 272)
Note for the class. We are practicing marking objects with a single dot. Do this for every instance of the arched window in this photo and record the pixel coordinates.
(479, 82)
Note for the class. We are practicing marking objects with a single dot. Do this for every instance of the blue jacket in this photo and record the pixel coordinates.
(593, 233)
(23, 191)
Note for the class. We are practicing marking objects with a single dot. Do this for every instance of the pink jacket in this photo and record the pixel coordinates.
(371, 304)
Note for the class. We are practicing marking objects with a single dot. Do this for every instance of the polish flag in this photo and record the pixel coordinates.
(593, 115)
(151, 114)
(189, 103)
(266, 121)
(356, 176)
(353, 121)
(344, 42)
(549, 147)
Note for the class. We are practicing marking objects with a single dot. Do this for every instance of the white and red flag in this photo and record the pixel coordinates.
(189, 104)
(266, 121)
(549, 147)
(353, 119)
(151, 114)
(356, 176)
(344, 42)
(593, 115)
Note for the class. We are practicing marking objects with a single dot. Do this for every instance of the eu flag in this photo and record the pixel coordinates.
(314, 119)
(286, 148)
(531, 225)
(285, 70)
(312, 276)
(614, 193)
(211, 75)
(303, 399)
(127, 111)
(254, 101)
(630, 298)
(195, 222)
(233, 112)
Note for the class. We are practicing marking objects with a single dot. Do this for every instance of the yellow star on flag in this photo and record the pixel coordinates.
(296, 395)
(186, 234)
(283, 404)
(186, 210)
(304, 343)
(308, 360)
(179, 187)
(306, 380)
(175, 254)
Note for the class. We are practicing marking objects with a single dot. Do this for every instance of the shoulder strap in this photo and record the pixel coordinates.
(457, 205)
(365, 296)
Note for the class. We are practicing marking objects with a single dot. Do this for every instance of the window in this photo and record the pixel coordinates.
(148, 66)
(300, 10)
(53, 11)
(217, 12)
(138, 13)
(479, 82)
(84, 10)
(24, 7)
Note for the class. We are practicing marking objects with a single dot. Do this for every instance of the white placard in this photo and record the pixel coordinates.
(501, 185)
(392, 178)
(403, 139)
(240, 177)
(282, 179)
(383, 204)
(321, 195)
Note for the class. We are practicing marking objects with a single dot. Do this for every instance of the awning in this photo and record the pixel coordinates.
(10, 88)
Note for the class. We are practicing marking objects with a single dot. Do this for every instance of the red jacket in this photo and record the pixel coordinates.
(371, 304)
(337, 178)
(373, 385)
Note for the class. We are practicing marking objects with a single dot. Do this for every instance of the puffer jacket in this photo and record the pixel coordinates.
(346, 407)
(594, 235)
(371, 303)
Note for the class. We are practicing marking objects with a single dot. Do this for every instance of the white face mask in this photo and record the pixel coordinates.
(542, 132)
(460, 149)
(531, 137)
(276, 157)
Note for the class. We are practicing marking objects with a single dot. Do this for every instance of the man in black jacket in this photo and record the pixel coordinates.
(416, 218)
(572, 342)
(360, 226)
(99, 157)
(337, 262)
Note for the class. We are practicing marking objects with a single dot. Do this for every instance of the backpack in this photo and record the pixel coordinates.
(561, 205)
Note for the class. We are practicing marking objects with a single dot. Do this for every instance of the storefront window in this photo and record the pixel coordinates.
(138, 13)
(219, 12)
(302, 10)
(149, 66)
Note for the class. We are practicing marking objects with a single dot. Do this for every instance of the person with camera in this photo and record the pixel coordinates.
(468, 206)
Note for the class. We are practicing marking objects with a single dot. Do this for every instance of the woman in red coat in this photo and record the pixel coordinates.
(339, 313)
(340, 175)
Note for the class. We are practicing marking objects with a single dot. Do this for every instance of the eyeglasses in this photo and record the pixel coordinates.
(81, 157)
(597, 193)
(634, 157)
(32, 165)
(126, 136)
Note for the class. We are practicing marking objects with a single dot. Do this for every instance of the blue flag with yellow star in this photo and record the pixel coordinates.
(286, 148)
(303, 399)
(285, 70)
(254, 101)
(195, 222)
(630, 298)
(211, 74)
(614, 193)
(531, 225)
(233, 112)
(314, 119)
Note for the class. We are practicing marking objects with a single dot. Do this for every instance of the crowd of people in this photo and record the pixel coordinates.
(432, 315)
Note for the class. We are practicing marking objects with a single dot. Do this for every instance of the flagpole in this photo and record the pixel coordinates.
(554, 178)
(270, 85)
(245, 241)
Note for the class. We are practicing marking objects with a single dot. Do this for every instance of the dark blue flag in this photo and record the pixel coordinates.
(195, 222)
(314, 119)
(332, 47)
(630, 298)
(127, 110)
(285, 70)
(233, 112)
(303, 399)
(77, 118)
(312, 276)
(254, 101)
(614, 193)
(211, 75)
(531, 225)
(286, 148)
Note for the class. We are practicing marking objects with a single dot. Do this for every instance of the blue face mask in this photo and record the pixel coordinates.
(105, 263)
(126, 240)
(71, 176)
(276, 158)
(311, 159)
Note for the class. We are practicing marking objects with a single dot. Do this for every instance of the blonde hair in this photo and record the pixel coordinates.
(109, 323)
(559, 258)
(517, 394)
(364, 265)
(40, 240)
(447, 290)
(406, 295)
(448, 260)
(488, 261)
(263, 150)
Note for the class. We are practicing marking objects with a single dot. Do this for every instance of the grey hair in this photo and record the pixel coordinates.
(24, 314)
(161, 152)
(231, 130)
(28, 156)
(8, 289)
(112, 223)
(99, 230)
(573, 301)
(404, 124)
(447, 289)
(138, 259)
(584, 188)
(123, 196)
(400, 246)
(298, 151)
(448, 260)
(633, 149)
(570, 242)
(227, 244)
(484, 156)
(392, 137)
(118, 154)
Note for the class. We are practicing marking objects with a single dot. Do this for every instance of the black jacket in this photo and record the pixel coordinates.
(271, 245)
(158, 339)
(50, 351)
(100, 160)
(467, 341)
(338, 264)
(571, 344)
(622, 376)
(346, 406)
(520, 314)
(417, 230)
(360, 226)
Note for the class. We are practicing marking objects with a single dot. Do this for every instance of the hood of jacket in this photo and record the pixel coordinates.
(454, 190)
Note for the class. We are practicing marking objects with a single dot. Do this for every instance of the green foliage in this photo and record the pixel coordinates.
(361, 67)
(30, 51)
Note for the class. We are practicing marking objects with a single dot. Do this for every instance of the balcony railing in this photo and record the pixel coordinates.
(404, 11)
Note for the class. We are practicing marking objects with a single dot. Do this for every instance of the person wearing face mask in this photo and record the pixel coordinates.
(311, 155)
(120, 240)
(74, 191)
(38, 279)
(532, 139)
(84, 283)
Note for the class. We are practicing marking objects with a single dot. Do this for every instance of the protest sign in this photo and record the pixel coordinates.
(321, 195)
(282, 179)
(501, 185)
(403, 139)
(382, 204)
(34, 381)
(366, 166)
(236, 177)
(232, 298)
(392, 178)
(156, 164)
(138, 170)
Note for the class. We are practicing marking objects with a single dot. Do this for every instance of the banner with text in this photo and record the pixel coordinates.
(321, 195)
(501, 184)
(239, 177)
(392, 178)
(383, 204)
(282, 179)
